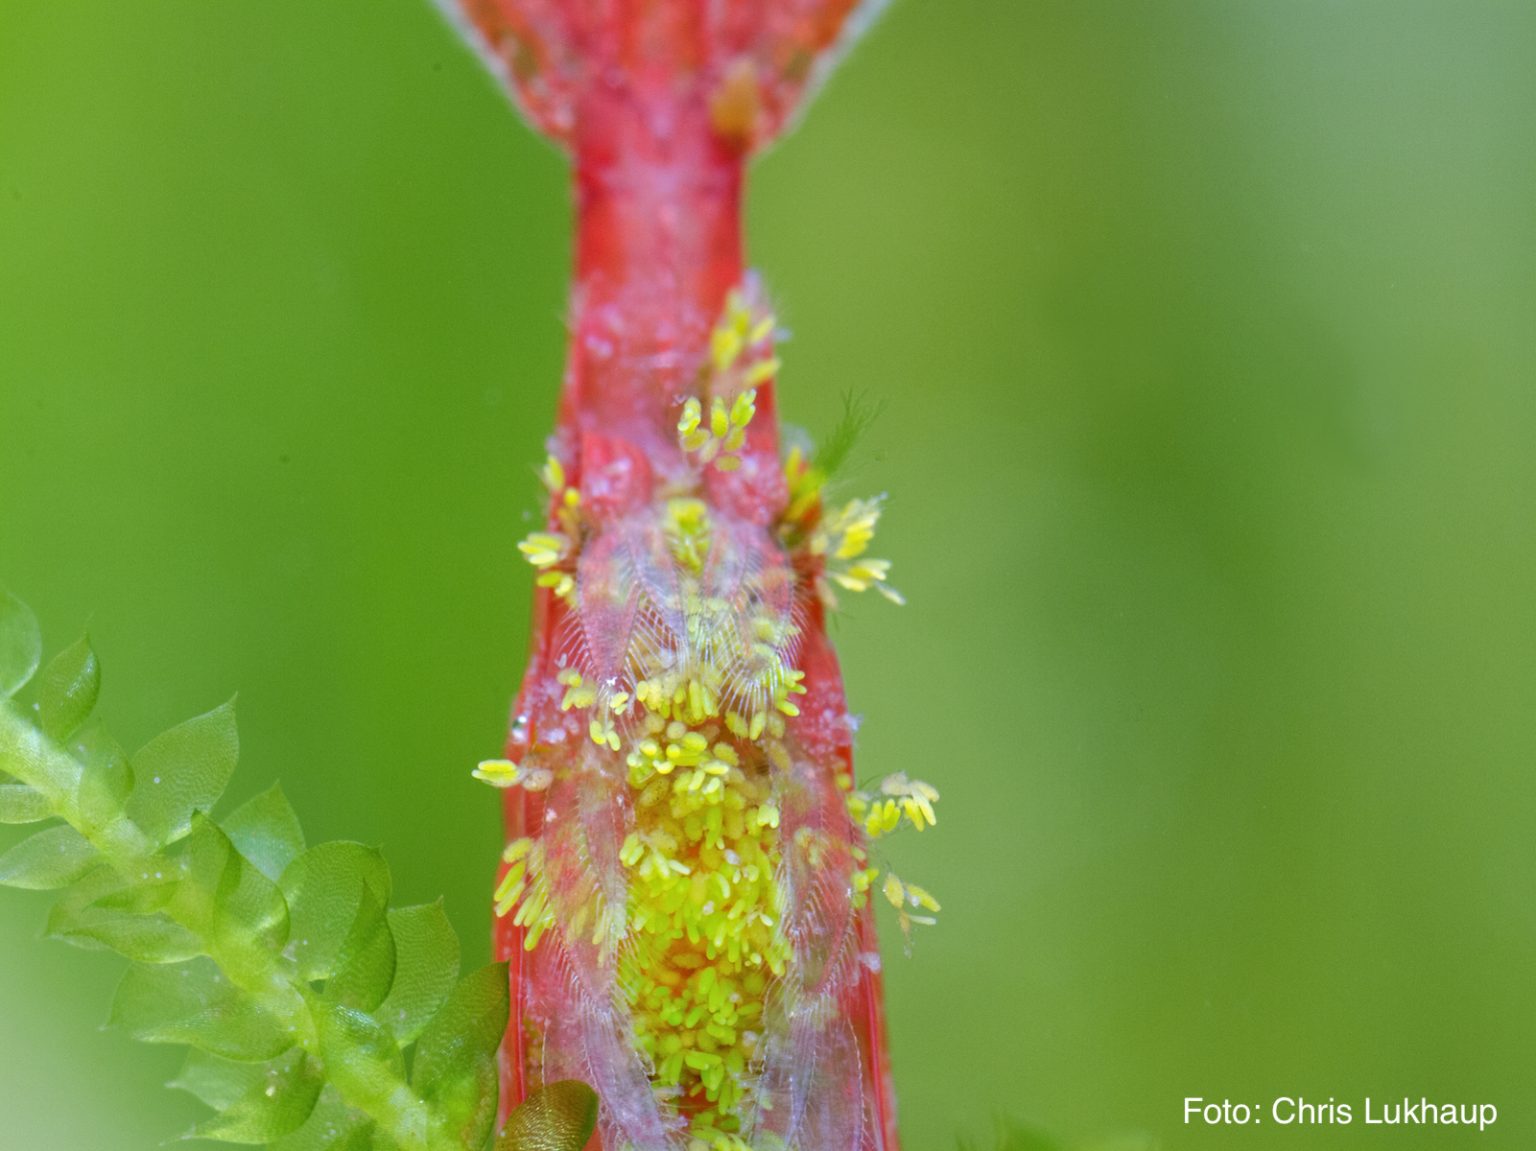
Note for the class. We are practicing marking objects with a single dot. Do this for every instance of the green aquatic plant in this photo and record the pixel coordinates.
(319, 1017)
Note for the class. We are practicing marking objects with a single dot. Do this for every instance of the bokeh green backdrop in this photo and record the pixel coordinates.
(1206, 333)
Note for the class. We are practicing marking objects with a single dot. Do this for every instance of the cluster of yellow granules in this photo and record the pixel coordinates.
(705, 907)
(700, 730)
(699, 724)
(702, 938)
(705, 914)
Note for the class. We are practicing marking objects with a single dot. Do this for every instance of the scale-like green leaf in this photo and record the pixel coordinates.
(104, 883)
(103, 911)
(67, 689)
(193, 1003)
(220, 1083)
(455, 1064)
(426, 968)
(249, 908)
(183, 770)
(105, 777)
(226, 897)
(150, 891)
(365, 967)
(266, 831)
(21, 644)
(324, 888)
(558, 1117)
(258, 1102)
(31, 758)
(362, 1059)
(20, 804)
(48, 860)
(100, 882)
(472, 1022)
(142, 938)
(332, 1127)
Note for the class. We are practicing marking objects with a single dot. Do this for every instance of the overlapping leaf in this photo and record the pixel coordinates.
(20, 804)
(182, 771)
(257, 1103)
(196, 1005)
(332, 1126)
(426, 968)
(366, 1064)
(365, 966)
(267, 832)
(103, 910)
(455, 1066)
(47, 860)
(105, 778)
(67, 690)
(325, 888)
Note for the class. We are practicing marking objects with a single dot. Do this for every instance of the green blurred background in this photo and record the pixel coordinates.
(1206, 331)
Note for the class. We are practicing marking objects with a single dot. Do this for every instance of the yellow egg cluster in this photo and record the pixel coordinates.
(899, 798)
(720, 438)
(712, 428)
(742, 339)
(699, 729)
(832, 540)
(552, 552)
(839, 540)
(705, 913)
(705, 910)
(898, 801)
(526, 887)
(696, 719)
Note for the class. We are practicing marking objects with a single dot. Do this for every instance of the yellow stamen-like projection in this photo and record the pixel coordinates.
(713, 429)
